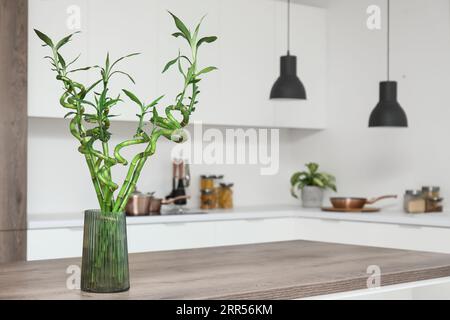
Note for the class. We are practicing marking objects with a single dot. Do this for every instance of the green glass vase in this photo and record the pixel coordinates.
(104, 267)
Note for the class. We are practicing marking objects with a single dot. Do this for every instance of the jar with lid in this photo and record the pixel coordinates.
(432, 199)
(414, 202)
(431, 192)
(207, 182)
(225, 196)
(208, 199)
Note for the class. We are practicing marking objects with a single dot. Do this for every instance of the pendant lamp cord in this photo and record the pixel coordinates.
(388, 39)
(289, 27)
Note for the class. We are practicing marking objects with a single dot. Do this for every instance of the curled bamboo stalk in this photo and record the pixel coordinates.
(90, 113)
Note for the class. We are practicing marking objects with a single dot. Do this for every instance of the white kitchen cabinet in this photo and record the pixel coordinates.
(56, 18)
(252, 37)
(254, 231)
(54, 243)
(170, 236)
(395, 236)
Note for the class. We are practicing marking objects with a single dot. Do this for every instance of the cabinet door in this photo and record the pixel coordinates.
(170, 236)
(122, 27)
(54, 243)
(56, 18)
(308, 43)
(254, 231)
(374, 234)
(247, 63)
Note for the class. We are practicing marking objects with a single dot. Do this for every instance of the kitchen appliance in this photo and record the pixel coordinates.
(356, 203)
(138, 204)
(155, 204)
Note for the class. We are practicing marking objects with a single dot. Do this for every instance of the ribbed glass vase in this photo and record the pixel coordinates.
(104, 267)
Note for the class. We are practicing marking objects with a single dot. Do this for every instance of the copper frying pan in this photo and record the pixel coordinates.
(356, 203)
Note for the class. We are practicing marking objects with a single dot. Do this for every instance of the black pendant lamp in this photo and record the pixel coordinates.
(388, 112)
(288, 85)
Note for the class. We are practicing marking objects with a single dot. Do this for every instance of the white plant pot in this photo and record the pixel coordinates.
(312, 197)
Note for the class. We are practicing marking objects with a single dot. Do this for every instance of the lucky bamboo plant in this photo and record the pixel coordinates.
(90, 108)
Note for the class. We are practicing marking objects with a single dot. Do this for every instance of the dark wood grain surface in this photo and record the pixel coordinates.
(284, 270)
(13, 129)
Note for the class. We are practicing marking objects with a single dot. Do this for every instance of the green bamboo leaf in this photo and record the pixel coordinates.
(93, 86)
(178, 34)
(64, 40)
(154, 103)
(197, 29)
(44, 38)
(124, 57)
(80, 69)
(180, 25)
(61, 61)
(106, 70)
(74, 60)
(206, 40)
(206, 70)
(124, 73)
(170, 63)
(133, 97)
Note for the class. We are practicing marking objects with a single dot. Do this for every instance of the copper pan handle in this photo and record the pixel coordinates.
(172, 200)
(372, 201)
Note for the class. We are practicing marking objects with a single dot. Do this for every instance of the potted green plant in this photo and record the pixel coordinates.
(312, 184)
(90, 109)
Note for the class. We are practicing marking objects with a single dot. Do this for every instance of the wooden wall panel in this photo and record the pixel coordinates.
(13, 129)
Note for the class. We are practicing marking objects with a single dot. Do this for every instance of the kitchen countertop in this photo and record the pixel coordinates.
(283, 270)
(388, 216)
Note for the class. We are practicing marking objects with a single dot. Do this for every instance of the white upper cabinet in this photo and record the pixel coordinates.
(252, 37)
(56, 18)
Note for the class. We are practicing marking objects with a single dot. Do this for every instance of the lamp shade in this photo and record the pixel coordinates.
(288, 85)
(388, 112)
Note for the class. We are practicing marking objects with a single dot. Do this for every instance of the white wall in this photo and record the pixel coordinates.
(58, 180)
(371, 162)
(366, 161)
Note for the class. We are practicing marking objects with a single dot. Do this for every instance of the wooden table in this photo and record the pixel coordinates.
(284, 270)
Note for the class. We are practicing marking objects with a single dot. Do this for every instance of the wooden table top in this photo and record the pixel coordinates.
(282, 270)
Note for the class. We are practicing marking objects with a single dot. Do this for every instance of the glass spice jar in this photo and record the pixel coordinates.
(207, 182)
(432, 198)
(414, 202)
(225, 196)
(208, 199)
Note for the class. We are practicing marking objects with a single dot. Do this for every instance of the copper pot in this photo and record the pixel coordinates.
(138, 204)
(156, 203)
(356, 203)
